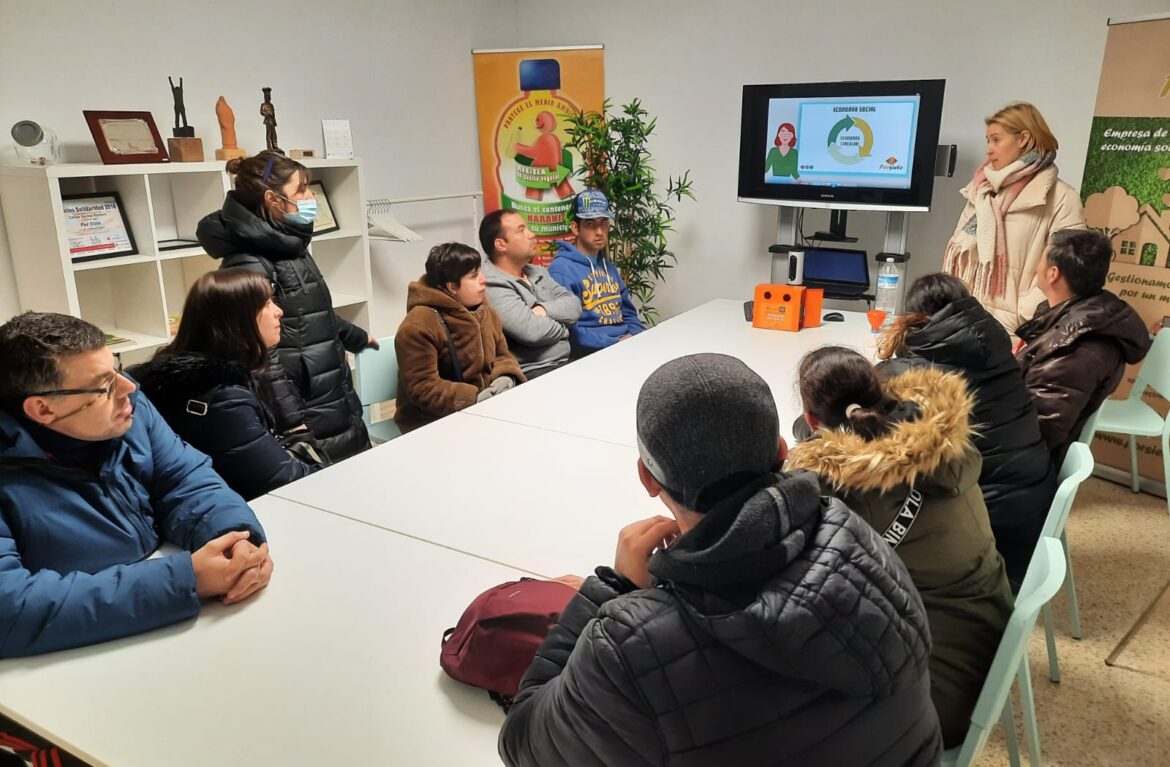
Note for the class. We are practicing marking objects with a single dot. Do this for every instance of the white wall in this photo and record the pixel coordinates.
(400, 71)
(688, 60)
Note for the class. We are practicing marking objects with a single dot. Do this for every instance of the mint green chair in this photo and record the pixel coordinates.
(1044, 578)
(1089, 429)
(1134, 417)
(376, 377)
(1078, 465)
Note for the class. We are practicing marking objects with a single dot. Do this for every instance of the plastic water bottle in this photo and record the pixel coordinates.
(889, 288)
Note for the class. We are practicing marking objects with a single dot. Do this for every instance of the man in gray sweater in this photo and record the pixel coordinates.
(535, 310)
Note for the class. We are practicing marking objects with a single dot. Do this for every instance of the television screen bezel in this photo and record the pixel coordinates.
(753, 142)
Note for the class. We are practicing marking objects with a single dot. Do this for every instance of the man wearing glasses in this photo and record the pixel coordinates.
(92, 480)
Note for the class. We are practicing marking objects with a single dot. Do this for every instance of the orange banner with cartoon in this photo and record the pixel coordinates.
(1126, 191)
(522, 98)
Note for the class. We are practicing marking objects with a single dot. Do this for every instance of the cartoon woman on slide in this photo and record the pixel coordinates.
(782, 157)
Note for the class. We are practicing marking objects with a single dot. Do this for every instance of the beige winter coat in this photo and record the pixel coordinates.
(1044, 206)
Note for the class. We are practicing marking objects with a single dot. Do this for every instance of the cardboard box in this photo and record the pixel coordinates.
(787, 307)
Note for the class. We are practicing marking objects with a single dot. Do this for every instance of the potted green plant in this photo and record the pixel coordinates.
(616, 160)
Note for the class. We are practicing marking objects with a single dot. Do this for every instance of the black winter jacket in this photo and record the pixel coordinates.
(310, 377)
(782, 630)
(1017, 478)
(1074, 356)
(214, 404)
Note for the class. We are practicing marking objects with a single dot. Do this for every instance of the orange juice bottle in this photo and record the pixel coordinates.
(533, 165)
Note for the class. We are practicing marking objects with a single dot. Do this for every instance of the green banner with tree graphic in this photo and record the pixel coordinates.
(1126, 191)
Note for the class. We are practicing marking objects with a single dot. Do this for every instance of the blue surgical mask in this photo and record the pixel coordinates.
(306, 212)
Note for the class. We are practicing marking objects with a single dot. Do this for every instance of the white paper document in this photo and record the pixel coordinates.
(338, 139)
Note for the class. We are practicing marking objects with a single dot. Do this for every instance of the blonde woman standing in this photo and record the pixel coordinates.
(1014, 202)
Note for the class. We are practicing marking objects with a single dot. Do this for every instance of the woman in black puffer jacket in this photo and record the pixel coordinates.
(265, 225)
(945, 327)
(206, 387)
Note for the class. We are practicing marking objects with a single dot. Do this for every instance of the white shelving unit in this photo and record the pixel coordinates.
(132, 296)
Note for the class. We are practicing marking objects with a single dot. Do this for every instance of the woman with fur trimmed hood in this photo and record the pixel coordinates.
(944, 327)
(901, 457)
(206, 383)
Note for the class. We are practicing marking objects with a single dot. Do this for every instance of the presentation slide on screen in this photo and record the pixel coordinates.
(842, 141)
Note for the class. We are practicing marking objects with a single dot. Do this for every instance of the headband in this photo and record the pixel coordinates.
(267, 169)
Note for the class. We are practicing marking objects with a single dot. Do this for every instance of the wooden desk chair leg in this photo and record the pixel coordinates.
(1141, 621)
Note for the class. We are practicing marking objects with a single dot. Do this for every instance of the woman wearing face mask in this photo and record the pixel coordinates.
(450, 346)
(206, 383)
(265, 225)
(1015, 201)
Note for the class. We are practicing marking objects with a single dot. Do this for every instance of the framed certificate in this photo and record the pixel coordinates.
(96, 227)
(125, 137)
(326, 221)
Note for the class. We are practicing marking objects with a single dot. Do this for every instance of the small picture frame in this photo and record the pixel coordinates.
(326, 222)
(96, 227)
(126, 137)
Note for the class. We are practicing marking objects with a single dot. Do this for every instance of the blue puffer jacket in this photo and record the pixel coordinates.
(607, 313)
(73, 545)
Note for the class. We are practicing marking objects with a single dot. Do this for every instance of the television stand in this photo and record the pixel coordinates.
(838, 223)
(897, 233)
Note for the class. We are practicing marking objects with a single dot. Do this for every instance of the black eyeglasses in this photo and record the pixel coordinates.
(106, 391)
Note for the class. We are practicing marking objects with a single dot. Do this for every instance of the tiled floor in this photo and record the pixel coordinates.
(1100, 715)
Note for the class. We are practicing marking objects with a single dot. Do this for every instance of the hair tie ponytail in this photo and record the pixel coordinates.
(851, 409)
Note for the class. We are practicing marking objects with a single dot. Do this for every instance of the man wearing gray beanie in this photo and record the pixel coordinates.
(760, 623)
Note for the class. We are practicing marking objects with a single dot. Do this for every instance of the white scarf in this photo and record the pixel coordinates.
(985, 227)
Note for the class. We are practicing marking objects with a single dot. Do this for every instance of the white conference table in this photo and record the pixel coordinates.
(336, 662)
(543, 477)
(596, 397)
(538, 500)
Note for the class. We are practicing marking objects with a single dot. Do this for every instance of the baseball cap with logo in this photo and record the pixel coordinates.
(592, 203)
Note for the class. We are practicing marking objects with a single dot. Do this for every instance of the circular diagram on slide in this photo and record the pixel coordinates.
(846, 146)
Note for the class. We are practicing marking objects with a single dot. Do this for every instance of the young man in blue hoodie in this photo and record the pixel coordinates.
(608, 315)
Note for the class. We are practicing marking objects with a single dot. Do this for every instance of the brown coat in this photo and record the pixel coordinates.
(427, 389)
(950, 549)
(1074, 356)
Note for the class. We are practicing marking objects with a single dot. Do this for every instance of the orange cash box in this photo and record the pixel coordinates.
(787, 307)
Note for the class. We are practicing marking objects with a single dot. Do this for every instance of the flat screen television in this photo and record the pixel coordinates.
(846, 145)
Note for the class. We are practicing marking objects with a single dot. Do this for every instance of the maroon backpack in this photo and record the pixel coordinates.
(498, 636)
